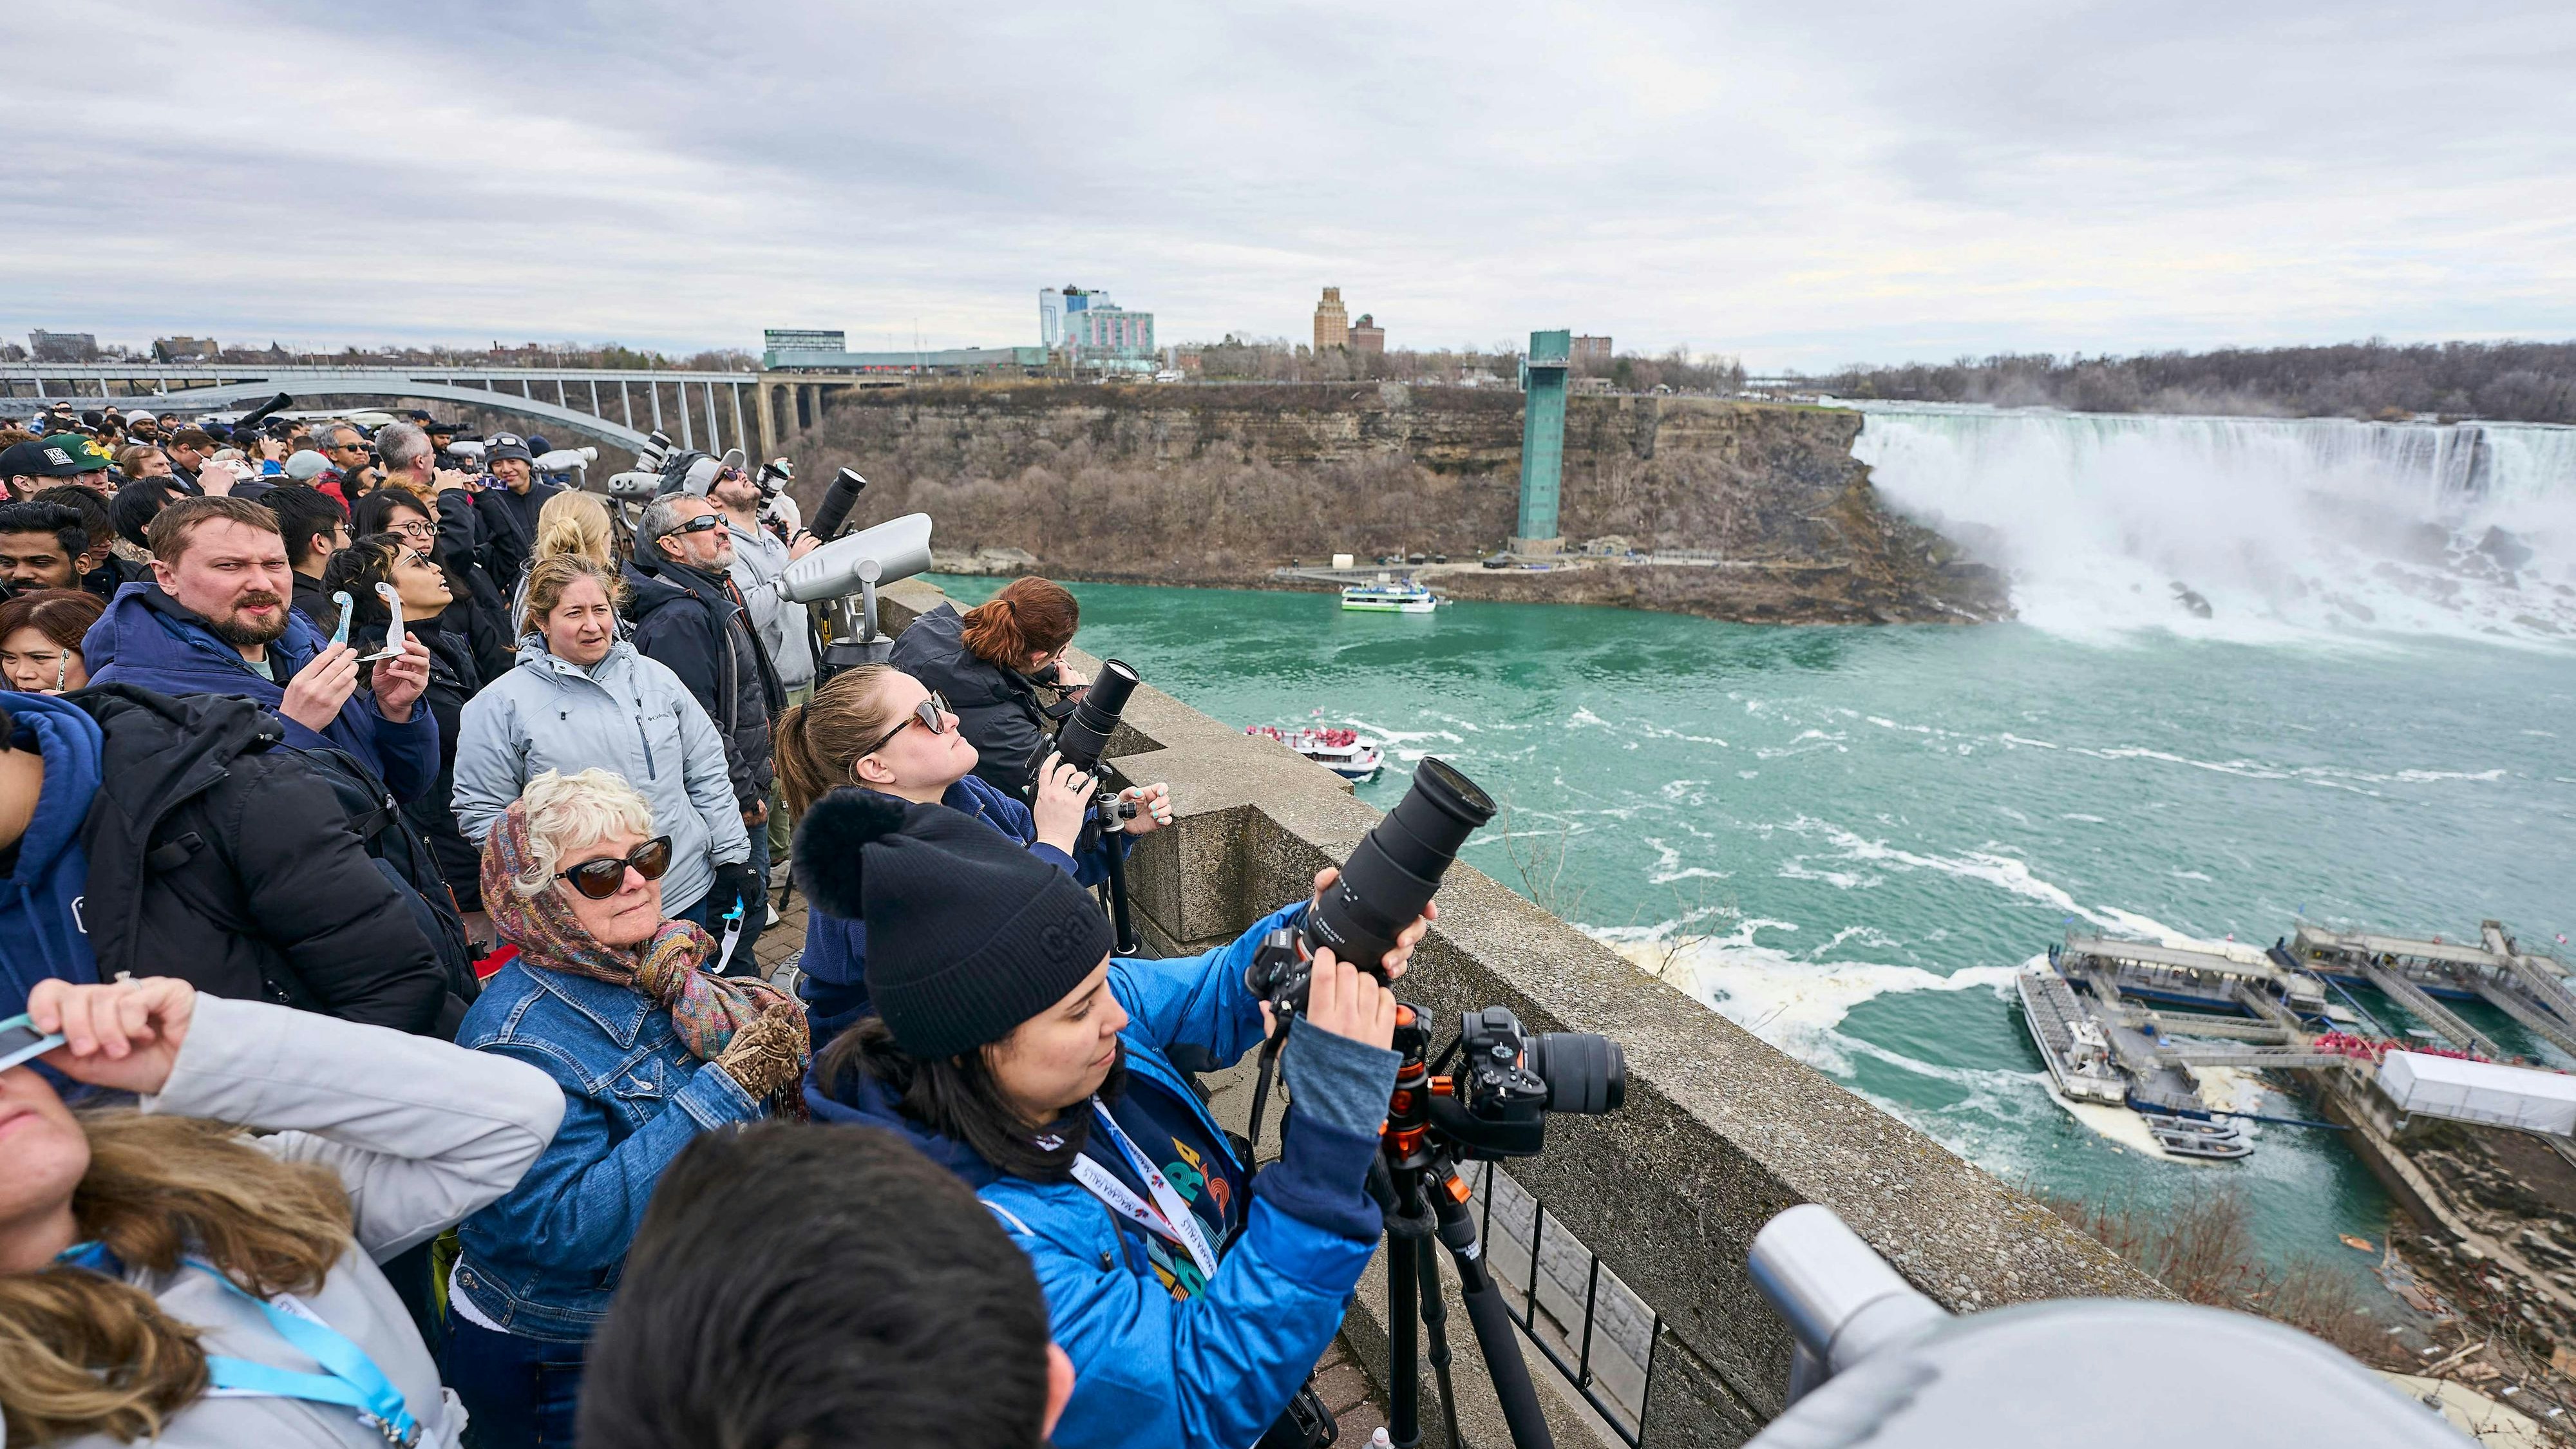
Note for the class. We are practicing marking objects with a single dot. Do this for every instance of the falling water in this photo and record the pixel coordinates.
(2272, 527)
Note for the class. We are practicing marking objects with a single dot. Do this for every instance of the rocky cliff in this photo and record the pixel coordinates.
(1221, 484)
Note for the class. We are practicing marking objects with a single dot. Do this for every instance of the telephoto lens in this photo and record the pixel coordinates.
(1585, 1073)
(1397, 866)
(1085, 732)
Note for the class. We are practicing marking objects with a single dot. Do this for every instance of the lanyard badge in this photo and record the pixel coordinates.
(1168, 1217)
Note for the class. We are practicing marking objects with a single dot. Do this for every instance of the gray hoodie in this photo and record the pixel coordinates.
(759, 559)
(626, 714)
(422, 1133)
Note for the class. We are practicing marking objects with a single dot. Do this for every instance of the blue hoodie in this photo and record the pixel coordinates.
(834, 983)
(41, 929)
(146, 638)
(1216, 1369)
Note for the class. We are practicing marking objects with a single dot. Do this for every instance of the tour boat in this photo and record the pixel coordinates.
(1407, 597)
(1341, 751)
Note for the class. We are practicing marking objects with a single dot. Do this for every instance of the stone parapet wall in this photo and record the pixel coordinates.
(1720, 1132)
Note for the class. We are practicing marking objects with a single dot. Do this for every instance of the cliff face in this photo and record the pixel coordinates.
(1221, 484)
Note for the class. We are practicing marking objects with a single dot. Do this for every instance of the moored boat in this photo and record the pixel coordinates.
(1339, 750)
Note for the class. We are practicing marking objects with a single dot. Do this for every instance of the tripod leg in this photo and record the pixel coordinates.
(1403, 1378)
(1121, 924)
(1492, 1320)
(1435, 1330)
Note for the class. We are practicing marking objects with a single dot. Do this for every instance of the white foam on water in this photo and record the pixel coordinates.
(2288, 529)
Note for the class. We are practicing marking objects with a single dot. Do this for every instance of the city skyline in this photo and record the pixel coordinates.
(1902, 185)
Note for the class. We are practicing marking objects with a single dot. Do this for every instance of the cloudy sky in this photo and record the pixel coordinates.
(1801, 186)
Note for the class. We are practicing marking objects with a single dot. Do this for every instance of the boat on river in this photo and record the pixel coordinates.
(1389, 597)
(1339, 750)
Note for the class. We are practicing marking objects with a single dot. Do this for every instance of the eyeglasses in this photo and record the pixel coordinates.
(730, 475)
(599, 879)
(931, 714)
(703, 523)
(416, 528)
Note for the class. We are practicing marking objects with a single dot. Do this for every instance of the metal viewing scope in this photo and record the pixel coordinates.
(858, 564)
(1877, 1361)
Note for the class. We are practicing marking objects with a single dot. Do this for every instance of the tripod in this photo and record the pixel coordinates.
(1426, 1197)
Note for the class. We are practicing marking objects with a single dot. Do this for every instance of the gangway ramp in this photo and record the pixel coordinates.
(2543, 1024)
(2432, 1013)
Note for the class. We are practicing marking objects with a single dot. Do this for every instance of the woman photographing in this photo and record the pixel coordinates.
(989, 664)
(165, 1275)
(878, 728)
(1192, 1296)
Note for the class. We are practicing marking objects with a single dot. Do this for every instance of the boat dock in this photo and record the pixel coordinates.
(2529, 987)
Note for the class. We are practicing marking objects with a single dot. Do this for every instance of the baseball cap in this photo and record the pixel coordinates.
(304, 465)
(58, 455)
(702, 473)
(506, 445)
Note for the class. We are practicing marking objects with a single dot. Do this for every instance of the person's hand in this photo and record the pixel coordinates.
(802, 544)
(220, 475)
(1153, 807)
(120, 1034)
(1063, 794)
(756, 817)
(401, 679)
(1068, 677)
(315, 694)
(1395, 961)
(446, 478)
(767, 1056)
(1349, 1002)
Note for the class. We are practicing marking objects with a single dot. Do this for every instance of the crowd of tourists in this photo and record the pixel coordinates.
(388, 828)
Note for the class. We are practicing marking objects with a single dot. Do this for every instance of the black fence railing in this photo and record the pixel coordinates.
(1593, 1328)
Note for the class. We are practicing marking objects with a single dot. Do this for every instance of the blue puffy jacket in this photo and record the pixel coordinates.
(1217, 1369)
(146, 638)
(41, 931)
(834, 967)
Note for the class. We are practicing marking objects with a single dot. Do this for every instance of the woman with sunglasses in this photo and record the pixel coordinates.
(878, 728)
(430, 615)
(581, 697)
(608, 997)
(474, 615)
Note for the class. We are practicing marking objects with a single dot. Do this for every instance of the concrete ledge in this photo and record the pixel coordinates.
(1720, 1132)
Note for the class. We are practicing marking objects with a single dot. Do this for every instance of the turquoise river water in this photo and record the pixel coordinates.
(1847, 839)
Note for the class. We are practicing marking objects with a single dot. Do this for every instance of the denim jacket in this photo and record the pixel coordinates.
(543, 1261)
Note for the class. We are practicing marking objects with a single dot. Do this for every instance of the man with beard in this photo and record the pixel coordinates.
(216, 621)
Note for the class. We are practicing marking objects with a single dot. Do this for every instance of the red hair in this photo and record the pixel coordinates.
(1029, 616)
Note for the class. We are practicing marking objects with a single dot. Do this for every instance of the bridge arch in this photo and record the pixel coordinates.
(379, 386)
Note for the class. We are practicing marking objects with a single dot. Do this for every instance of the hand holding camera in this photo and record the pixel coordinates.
(1064, 792)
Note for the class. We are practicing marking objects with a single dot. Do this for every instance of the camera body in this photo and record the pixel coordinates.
(1509, 1078)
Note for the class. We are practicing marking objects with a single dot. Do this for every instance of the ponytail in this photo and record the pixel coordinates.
(1029, 616)
(818, 742)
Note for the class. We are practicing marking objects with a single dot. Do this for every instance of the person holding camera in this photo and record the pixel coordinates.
(581, 697)
(989, 663)
(1192, 1297)
(608, 998)
(876, 727)
(167, 1275)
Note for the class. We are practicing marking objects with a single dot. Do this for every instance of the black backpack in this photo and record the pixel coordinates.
(404, 858)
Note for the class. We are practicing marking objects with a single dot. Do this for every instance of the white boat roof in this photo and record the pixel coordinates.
(2370, 943)
(2149, 953)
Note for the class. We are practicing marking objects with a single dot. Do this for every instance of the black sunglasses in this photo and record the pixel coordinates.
(931, 714)
(703, 523)
(599, 879)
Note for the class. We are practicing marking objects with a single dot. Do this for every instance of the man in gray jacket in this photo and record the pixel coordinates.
(760, 558)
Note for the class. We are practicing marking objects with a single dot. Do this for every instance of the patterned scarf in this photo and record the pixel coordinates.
(705, 1010)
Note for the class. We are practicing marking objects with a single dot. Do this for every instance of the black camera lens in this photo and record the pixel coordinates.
(1585, 1073)
(1085, 732)
(1397, 866)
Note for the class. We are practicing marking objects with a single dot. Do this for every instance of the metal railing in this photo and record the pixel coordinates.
(1598, 1334)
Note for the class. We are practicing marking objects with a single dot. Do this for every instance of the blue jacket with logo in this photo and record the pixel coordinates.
(544, 1260)
(834, 980)
(146, 638)
(41, 930)
(1151, 1370)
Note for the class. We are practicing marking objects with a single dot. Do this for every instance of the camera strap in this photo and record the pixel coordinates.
(1167, 1217)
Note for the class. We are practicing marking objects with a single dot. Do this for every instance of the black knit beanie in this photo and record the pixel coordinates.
(968, 934)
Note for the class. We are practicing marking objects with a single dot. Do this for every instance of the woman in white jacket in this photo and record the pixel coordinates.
(164, 1276)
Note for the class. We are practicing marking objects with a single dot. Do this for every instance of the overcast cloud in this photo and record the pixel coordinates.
(1802, 186)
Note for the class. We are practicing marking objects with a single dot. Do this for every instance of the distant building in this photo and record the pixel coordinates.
(1332, 321)
(63, 346)
(950, 361)
(1594, 351)
(1367, 336)
(1056, 304)
(1106, 337)
(186, 349)
(803, 339)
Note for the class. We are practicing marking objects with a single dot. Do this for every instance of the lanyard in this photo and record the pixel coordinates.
(350, 1378)
(1169, 1217)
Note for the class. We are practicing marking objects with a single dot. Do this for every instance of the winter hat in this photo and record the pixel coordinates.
(304, 465)
(507, 445)
(968, 934)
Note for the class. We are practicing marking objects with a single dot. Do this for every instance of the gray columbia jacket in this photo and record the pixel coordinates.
(421, 1132)
(628, 715)
(759, 559)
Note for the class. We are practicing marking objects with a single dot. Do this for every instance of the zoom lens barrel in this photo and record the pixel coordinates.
(1393, 872)
(1585, 1073)
(1085, 732)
